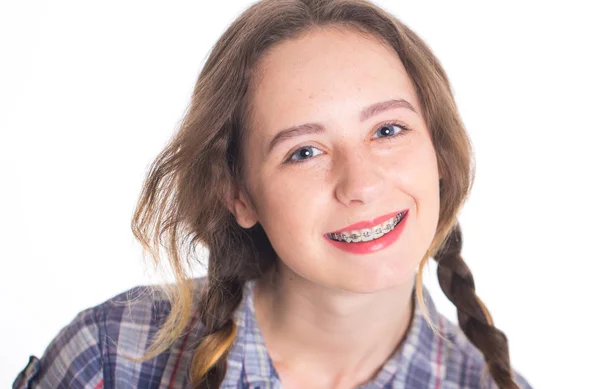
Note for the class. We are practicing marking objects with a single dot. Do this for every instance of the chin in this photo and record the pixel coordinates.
(375, 282)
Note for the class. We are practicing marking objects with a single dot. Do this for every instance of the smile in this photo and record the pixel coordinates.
(372, 238)
(368, 234)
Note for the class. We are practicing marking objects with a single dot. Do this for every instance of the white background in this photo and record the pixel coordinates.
(91, 91)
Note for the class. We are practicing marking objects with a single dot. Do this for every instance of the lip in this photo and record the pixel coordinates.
(369, 223)
(372, 245)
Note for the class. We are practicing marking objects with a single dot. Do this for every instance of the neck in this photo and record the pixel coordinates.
(309, 328)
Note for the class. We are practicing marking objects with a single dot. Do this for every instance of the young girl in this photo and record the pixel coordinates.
(322, 162)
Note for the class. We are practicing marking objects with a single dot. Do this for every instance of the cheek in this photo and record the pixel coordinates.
(293, 207)
(289, 207)
(416, 174)
(416, 167)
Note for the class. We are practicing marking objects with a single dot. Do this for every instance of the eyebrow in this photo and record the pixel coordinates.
(313, 128)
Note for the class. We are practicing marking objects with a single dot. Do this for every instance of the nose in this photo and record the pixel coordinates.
(359, 178)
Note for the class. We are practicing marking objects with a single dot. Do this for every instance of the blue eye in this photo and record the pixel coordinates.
(387, 130)
(303, 153)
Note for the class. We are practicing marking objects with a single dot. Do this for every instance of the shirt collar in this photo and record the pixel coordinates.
(250, 360)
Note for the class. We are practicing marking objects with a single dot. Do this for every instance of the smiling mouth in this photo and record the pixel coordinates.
(368, 234)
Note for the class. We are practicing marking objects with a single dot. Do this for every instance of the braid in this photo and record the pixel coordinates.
(457, 283)
(220, 300)
(237, 256)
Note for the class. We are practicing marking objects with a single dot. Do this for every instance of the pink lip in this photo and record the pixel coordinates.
(369, 223)
(373, 246)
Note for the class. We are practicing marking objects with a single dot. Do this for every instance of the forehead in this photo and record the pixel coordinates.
(326, 72)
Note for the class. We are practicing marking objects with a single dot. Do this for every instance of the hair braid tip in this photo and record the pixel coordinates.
(220, 350)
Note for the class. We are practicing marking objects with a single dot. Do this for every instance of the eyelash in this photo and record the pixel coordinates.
(404, 130)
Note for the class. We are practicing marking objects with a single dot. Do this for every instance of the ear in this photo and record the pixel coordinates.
(241, 207)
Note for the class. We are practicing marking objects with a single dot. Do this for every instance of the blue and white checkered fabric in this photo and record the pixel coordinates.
(84, 353)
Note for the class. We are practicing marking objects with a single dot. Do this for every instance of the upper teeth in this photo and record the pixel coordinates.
(367, 234)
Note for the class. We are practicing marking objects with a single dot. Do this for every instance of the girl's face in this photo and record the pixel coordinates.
(360, 150)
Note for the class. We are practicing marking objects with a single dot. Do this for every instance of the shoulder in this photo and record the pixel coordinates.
(74, 356)
(95, 348)
(465, 364)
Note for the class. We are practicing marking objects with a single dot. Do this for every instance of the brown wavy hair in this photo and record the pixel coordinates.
(184, 201)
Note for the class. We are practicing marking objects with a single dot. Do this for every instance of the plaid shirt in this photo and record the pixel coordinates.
(84, 353)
